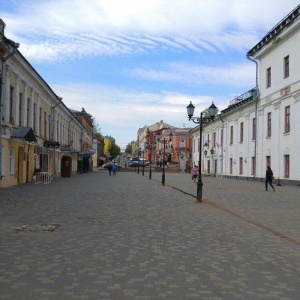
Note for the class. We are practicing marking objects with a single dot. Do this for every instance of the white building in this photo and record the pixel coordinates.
(260, 129)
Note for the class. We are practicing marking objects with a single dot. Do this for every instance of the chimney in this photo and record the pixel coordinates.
(2, 26)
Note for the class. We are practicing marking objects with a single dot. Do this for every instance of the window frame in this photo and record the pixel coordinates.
(269, 124)
(12, 160)
(253, 129)
(253, 165)
(287, 119)
(268, 77)
(241, 132)
(286, 67)
(286, 166)
(240, 166)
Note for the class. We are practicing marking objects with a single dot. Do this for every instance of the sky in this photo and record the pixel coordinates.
(132, 63)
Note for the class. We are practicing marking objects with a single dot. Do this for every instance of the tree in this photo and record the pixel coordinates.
(96, 130)
(115, 151)
(129, 148)
(206, 114)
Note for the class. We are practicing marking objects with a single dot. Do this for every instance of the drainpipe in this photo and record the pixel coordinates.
(52, 133)
(3, 61)
(222, 145)
(256, 105)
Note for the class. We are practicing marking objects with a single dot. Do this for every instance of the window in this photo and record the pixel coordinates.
(268, 77)
(221, 137)
(3, 156)
(28, 110)
(253, 128)
(253, 165)
(198, 144)
(269, 131)
(49, 125)
(286, 166)
(20, 108)
(45, 124)
(286, 67)
(231, 135)
(230, 165)
(268, 161)
(208, 141)
(214, 139)
(40, 121)
(241, 165)
(34, 117)
(57, 131)
(11, 119)
(11, 161)
(287, 119)
(241, 132)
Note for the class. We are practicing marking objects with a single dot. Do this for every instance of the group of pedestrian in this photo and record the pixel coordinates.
(113, 169)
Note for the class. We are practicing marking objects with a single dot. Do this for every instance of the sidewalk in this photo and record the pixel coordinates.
(278, 211)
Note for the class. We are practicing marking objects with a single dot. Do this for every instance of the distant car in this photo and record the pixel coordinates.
(135, 164)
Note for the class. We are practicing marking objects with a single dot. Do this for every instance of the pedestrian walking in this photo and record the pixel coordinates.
(194, 173)
(114, 170)
(269, 178)
(109, 168)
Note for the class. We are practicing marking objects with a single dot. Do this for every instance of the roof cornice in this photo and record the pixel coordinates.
(276, 30)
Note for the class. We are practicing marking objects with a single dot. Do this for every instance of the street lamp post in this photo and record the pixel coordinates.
(150, 170)
(139, 160)
(149, 146)
(143, 167)
(163, 178)
(212, 112)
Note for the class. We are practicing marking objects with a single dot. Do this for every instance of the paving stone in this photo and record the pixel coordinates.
(132, 238)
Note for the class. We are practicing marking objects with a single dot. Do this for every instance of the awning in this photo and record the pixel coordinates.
(51, 144)
(25, 133)
(102, 158)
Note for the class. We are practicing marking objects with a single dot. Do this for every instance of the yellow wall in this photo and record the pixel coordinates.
(107, 145)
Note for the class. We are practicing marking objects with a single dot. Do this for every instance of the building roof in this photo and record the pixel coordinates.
(25, 133)
(276, 30)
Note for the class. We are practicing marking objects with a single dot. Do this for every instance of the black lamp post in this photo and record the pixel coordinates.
(212, 112)
(163, 178)
(139, 160)
(143, 168)
(149, 149)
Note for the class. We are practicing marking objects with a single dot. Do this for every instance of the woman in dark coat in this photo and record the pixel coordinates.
(269, 178)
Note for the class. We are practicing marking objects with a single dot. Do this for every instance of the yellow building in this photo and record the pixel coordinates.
(38, 133)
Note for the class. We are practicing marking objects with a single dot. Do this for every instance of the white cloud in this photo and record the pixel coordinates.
(234, 75)
(120, 112)
(114, 27)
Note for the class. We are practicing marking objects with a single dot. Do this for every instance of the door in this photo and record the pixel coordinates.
(66, 166)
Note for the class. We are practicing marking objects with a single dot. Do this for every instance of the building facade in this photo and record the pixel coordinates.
(38, 133)
(261, 127)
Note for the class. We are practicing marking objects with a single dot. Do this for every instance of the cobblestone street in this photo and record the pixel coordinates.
(128, 237)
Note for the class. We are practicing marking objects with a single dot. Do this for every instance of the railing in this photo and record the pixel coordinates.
(43, 177)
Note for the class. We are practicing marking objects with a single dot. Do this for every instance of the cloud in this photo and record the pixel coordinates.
(234, 75)
(120, 112)
(53, 29)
